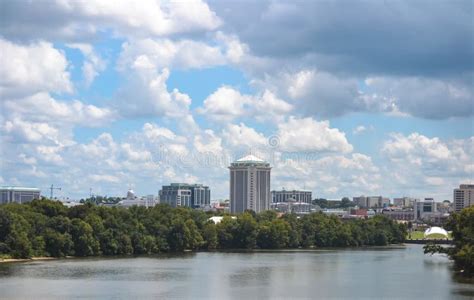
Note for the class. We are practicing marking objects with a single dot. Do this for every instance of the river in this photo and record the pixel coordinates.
(371, 273)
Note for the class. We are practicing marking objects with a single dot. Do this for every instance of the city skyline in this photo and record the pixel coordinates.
(109, 96)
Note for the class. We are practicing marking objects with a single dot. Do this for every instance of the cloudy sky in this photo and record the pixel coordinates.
(343, 98)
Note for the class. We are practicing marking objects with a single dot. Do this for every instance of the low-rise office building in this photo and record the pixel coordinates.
(292, 196)
(427, 211)
(404, 201)
(371, 201)
(133, 200)
(294, 207)
(400, 215)
(422, 208)
(10, 194)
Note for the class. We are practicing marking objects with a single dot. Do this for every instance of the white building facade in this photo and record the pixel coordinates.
(133, 200)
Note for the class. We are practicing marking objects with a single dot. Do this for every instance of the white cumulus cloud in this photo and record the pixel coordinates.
(307, 134)
(28, 69)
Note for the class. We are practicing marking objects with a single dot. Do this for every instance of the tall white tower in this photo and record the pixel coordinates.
(249, 184)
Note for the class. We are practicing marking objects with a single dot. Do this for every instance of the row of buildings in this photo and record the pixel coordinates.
(250, 190)
(183, 194)
(175, 195)
(371, 201)
(425, 211)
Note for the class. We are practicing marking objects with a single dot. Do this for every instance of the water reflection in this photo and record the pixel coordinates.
(357, 273)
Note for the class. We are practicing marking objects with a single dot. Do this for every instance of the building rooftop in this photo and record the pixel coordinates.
(19, 188)
(250, 158)
(179, 184)
(291, 191)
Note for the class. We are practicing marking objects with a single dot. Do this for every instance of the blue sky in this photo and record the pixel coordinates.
(369, 98)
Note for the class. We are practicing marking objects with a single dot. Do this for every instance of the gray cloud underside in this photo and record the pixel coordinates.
(368, 37)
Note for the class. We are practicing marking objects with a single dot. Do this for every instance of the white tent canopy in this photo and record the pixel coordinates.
(435, 230)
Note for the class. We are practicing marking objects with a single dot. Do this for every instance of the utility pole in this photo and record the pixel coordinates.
(52, 188)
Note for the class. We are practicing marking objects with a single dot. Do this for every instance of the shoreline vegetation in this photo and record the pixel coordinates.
(462, 252)
(44, 228)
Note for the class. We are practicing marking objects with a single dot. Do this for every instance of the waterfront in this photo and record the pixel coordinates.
(390, 272)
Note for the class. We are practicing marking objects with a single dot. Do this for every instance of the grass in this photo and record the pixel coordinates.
(419, 235)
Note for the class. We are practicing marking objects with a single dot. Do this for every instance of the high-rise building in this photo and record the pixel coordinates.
(463, 196)
(249, 184)
(16, 194)
(294, 196)
(184, 194)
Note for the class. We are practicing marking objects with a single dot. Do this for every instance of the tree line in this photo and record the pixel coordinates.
(334, 204)
(461, 225)
(48, 228)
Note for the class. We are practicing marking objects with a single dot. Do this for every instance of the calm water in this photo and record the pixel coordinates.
(403, 273)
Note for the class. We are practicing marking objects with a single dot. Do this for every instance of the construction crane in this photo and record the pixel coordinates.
(52, 188)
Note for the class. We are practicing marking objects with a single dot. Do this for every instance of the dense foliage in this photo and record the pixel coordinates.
(462, 226)
(47, 228)
(332, 204)
(101, 199)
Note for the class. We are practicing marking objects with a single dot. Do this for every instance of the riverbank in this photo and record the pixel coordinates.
(423, 241)
(13, 260)
(188, 251)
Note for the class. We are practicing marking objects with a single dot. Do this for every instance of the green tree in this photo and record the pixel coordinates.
(273, 235)
(294, 236)
(125, 244)
(194, 239)
(14, 237)
(178, 235)
(225, 232)
(346, 202)
(209, 235)
(462, 252)
(57, 244)
(268, 215)
(245, 235)
(85, 244)
(48, 207)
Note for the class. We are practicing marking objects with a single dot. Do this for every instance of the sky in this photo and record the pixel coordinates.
(342, 98)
